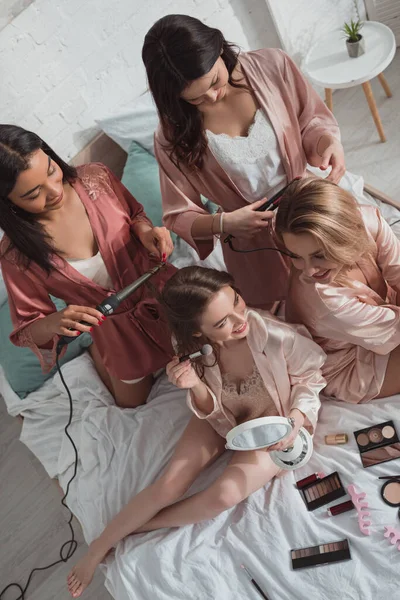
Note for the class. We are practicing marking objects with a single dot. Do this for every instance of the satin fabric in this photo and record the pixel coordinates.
(299, 118)
(134, 341)
(289, 363)
(358, 325)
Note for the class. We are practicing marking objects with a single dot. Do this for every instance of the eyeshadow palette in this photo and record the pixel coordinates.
(320, 555)
(378, 444)
(323, 491)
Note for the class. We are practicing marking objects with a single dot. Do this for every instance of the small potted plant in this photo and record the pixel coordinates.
(354, 40)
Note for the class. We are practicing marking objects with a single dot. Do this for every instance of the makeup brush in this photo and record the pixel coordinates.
(254, 582)
(390, 477)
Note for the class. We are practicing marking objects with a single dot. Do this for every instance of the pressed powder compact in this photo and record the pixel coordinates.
(320, 555)
(390, 491)
(378, 444)
(323, 491)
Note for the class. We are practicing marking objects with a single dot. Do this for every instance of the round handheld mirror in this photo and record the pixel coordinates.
(257, 434)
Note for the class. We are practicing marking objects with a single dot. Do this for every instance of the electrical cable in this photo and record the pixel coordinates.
(71, 544)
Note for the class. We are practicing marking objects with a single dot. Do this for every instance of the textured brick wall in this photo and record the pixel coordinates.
(64, 63)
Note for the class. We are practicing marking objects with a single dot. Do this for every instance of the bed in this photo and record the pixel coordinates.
(122, 451)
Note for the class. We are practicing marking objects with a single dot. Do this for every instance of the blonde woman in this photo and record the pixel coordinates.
(344, 287)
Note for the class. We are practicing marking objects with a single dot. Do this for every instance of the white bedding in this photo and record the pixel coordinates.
(121, 451)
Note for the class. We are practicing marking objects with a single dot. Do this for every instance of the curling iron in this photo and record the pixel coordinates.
(111, 303)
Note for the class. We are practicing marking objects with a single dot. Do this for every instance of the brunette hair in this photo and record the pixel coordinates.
(177, 50)
(329, 213)
(22, 228)
(184, 298)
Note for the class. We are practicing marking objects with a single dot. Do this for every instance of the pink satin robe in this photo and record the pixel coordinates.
(356, 326)
(134, 341)
(299, 118)
(289, 363)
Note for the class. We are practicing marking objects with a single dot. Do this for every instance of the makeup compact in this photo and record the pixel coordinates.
(320, 555)
(378, 444)
(323, 491)
(390, 491)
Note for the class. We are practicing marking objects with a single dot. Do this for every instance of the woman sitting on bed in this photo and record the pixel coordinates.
(78, 235)
(260, 367)
(236, 128)
(344, 287)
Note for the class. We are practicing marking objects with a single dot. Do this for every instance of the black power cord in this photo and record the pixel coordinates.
(70, 546)
(228, 240)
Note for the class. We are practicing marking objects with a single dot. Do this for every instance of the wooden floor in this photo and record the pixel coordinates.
(377, 162)
(32, 522)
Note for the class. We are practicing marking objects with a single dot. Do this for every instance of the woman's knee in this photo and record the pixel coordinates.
(225, 495)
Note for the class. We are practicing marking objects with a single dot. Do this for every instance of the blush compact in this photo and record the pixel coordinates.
(378, 443)
(390, 491)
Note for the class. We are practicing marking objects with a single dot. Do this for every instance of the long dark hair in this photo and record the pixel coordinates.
(184, 299)
(177, 50)
(22, 228)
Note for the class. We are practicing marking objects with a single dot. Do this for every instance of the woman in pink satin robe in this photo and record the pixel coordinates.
(79, 235)
(260, 367)
(234, 128)
(344, 287)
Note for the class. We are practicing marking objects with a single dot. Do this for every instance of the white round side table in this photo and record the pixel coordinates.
(327, 64)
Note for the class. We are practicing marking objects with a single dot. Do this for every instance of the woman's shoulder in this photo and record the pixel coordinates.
(372, 218)
(93, 169)
(271, 60)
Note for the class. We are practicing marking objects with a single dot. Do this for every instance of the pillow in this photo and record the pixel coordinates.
(137, 121)
(141, 178)
(21, 366)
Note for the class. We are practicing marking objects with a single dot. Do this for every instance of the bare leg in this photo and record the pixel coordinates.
(126, 395)
(246, 473)
(130, 395)
(391, 383)
(198, 447)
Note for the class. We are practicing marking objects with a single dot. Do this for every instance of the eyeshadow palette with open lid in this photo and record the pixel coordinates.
(378, 443)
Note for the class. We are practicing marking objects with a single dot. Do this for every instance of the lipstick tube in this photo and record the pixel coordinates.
(338, 509)
(310, 479)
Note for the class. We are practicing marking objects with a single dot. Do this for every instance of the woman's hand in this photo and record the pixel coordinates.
(67, 321)
(157, 240)
(182, 374)
(288, 442)
(332, 154)
(245, 222)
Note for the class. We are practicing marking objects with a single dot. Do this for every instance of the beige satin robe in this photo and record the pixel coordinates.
(356, 326)
(289, 363)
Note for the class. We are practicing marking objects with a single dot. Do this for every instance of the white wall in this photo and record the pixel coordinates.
(65, 62)
(300, 22)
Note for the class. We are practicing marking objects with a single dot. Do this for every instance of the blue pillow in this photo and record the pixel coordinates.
(141, 178)
(21, 366)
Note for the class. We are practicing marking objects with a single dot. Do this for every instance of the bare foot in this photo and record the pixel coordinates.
(82, 573)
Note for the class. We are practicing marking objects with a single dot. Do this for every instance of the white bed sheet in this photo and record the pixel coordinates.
(122, 451)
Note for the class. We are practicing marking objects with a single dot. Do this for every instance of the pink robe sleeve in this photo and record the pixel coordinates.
(129, 202)
(314, 118)
(304, 360)
(182, 204)
(28, 302)
(388, 255)
(220, 417)
(375, 328)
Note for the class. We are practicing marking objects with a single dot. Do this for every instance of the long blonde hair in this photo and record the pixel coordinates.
(329, 213)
